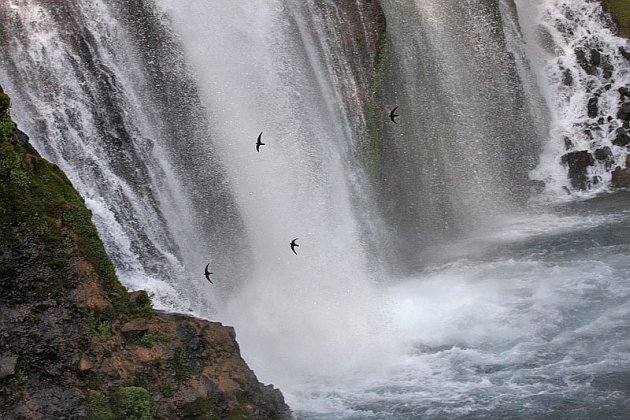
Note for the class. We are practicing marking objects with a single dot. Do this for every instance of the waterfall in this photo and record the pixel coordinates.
(421, 287)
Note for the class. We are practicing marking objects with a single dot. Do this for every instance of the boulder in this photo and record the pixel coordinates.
(584, 62)
(592, 107)
(622, 139)
(603, 154)
(624, 112)
(577, 163)
(620, 178)
(135, 329)
(84, 364)
(624, 53)
(567, 77)
(596, 57)
(7, 366)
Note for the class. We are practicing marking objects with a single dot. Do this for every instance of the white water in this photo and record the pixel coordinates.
(262, 72)
(555, 31)
(532, 326)
(526, 316)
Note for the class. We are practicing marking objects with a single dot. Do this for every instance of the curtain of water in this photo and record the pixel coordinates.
(96, 99)
(467, 136)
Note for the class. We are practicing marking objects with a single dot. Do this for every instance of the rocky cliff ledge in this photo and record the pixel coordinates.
(74, 344)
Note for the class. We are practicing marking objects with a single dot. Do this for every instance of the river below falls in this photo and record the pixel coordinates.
(530, 319)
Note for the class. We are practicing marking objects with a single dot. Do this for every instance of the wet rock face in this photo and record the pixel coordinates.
(578, 162)
(74, 343)
(624, 112)
(603, 154)
(620, 178)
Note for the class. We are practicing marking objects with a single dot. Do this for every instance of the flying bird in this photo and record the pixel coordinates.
(393, 115)
(259, 143)
(294, 245)
(207, 273)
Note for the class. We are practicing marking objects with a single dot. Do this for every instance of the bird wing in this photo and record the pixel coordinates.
(259, 136)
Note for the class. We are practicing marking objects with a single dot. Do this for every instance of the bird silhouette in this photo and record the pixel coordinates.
(259, 143)
(294, 245)
(393, 115)
(207, 273)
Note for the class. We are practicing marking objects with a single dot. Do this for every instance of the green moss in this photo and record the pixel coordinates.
(239, 413)
(158, 364)
(20, 376)
(100, 409)
(91, 380)
(167, 390)
(200, 409)
(57, 263)
(102, 327)
(142, 306)
(148, 339)
(370, 151)
(5, 102)
(35, 196)
(620, 12)
(182, 364)
(134, 403)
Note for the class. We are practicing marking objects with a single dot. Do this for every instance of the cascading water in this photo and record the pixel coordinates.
(153, 108)
(108, 118)
(581, 65)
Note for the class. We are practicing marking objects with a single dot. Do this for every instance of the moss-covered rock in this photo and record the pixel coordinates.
(620, 12)
(134, 403)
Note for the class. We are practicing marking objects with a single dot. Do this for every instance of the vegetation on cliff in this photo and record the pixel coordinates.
(75, 343)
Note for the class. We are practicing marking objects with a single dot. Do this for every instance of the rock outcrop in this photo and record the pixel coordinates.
(74, 343)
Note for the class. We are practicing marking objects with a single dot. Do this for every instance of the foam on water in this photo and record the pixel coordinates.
(522, 334)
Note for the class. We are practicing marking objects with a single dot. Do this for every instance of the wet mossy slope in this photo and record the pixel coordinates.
(75, 343)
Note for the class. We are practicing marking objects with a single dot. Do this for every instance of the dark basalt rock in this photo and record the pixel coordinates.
(624, 53)
(578, 162)
(568, 144)
(7, 366)
(584, 62)
(620, 178)
(622, 139)
(596, 58)
(624, 111)
(567, 77)
(592, 107)
(603, 154)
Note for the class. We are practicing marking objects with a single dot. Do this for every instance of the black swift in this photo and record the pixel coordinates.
(393, 115)
(294, 245)
(207, 273)
(259, 143)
